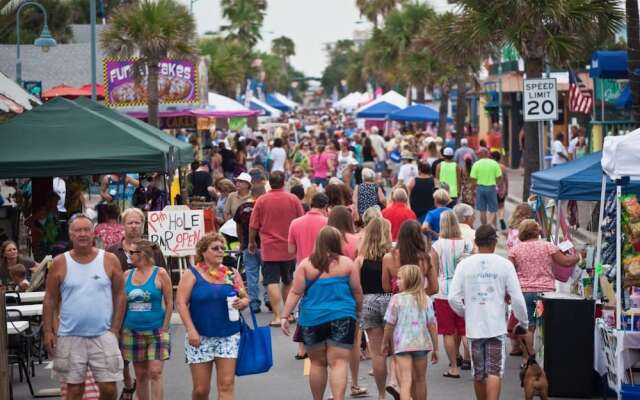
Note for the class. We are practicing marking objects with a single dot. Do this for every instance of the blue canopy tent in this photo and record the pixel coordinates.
(378, 110)
(417, 113)
(277, 104)
(609, 64)
(579, 179)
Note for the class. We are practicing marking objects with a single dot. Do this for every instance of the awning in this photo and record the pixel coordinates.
(417, 113)
(86, 90)
(379, 110)
(580, 179)
(277, 104)
(64, 91)
(609, 65)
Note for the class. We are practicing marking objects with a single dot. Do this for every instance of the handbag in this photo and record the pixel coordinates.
(255, 355)
(561, 272)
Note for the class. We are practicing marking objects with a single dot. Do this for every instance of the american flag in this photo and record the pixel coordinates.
(580, 99)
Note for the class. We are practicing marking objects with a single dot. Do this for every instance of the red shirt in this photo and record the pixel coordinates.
(304, 231)
(271, 216)
(397, 213)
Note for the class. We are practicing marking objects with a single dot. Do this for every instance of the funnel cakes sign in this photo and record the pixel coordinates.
(177, 82)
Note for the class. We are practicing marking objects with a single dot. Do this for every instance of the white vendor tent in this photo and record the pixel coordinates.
(352, 101)
(621, 155)
(391, 97)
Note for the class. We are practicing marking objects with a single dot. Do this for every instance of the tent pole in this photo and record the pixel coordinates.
(603, 195)
(618, 255)
(556, 238)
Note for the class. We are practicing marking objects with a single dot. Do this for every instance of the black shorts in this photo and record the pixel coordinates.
(339, 333)
(275, 271)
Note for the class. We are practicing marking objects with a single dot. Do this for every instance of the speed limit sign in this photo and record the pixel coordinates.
(540, 101)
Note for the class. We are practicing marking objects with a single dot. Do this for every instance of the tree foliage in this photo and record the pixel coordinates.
(245, 20)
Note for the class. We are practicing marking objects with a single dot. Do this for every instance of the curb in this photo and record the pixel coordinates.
(580, 235)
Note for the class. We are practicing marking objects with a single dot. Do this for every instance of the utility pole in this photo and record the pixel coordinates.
(92, 19)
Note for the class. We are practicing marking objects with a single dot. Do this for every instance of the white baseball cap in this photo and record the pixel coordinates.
(464, 142)
(244, 177)
(448, 152)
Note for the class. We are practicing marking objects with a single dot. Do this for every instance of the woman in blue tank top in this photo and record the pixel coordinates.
(211, 337)
(145, 330)
(327, 284)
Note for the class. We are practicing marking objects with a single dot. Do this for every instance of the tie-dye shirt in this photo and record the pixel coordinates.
(410, 332)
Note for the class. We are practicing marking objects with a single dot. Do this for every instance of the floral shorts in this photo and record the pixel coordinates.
(211, 348)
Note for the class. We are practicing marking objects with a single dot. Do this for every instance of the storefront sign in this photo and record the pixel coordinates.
(184, 121)
(176, 230)
(177, 82)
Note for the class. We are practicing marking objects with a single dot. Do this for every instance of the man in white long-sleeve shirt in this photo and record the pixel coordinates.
(479, 291)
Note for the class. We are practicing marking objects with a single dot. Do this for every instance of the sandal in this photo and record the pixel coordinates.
(127, 394)
(452, 376)
(292, 319)
(516, 353)
(301, 357)
(393, 391)
(275, 324)
(466, 365)
(357, 391)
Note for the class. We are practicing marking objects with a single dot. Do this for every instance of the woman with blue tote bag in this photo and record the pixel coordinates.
(208, 300)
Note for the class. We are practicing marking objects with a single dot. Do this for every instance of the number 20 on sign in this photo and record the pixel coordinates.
(540, 102)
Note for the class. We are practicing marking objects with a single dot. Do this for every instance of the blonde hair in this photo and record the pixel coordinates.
(371, 213)
(132, 211)
(413, 280)
(441, 197)
(146, 247)
(225, 185)
(523, 211)
(203, 244)
(309, 193)
(449, 227)
(376, 241)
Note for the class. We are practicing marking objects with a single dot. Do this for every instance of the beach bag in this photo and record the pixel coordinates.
(560, 272)
(254, 355)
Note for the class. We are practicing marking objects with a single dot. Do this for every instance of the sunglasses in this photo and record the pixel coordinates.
(216, 248)
(132, 252)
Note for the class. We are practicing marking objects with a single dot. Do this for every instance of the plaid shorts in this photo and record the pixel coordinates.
(487, 357)
(138, 346)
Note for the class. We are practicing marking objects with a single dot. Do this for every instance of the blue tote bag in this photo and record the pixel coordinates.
(254, 355)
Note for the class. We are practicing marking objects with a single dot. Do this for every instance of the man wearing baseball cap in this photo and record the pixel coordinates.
(478, 292)
(450, 173)
(462, 151)
(240, 196)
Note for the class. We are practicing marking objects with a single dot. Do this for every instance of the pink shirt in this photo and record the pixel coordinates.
(320, 164)
(303, 232)
(533, 261)
(350, 247)
(271, 216)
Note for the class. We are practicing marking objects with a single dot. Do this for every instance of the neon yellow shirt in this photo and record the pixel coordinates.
(486, 171)
(448, 174)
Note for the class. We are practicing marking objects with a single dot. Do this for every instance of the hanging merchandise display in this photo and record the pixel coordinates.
(631, 240)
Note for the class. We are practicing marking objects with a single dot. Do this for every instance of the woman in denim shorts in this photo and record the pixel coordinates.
(212, 338)
(376, 242)
(328, 285)
(145, 334)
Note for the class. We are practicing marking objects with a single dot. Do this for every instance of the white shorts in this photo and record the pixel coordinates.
(211, 348)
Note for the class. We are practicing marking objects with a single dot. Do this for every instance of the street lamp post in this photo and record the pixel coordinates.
(45, 41)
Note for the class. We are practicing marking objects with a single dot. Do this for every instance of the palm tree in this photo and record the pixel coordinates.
(372, 9)
(633, 51)
(446, 36)
(245, 20)
(551, 29)
(151, 30)
(283, 48)
(228, 66)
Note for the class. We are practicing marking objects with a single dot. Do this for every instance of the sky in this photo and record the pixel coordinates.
(309, 23)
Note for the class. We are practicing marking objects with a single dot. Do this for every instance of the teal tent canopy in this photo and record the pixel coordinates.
(65, 137)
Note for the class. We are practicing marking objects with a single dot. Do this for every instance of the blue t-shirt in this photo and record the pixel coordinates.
(433, 218)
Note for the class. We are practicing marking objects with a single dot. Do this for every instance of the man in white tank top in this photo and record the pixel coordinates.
(83, 312)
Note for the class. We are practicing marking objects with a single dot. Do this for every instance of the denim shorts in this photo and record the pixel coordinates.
(486, 198)
(414, 354)
(531, 299)
(338, 333)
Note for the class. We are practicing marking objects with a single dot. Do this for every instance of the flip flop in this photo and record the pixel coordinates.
(292, 319)
(452, 376)
(393, 392)
(275, 324)
(357, 391)
(516, 353)
(301, 357)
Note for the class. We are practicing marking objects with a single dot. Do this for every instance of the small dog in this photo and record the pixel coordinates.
(534, 380)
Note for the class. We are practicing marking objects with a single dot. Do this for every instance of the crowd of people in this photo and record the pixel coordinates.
(366, 243)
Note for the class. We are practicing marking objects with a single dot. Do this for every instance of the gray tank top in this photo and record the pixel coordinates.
(87, 304)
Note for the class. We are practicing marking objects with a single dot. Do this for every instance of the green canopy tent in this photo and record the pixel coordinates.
(184, 151)
(65, 137)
